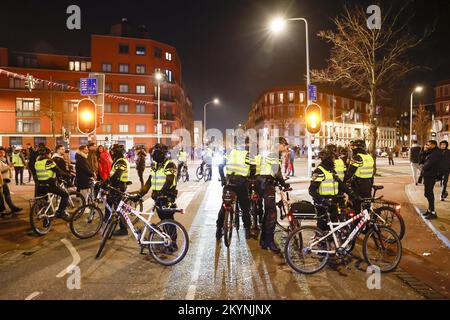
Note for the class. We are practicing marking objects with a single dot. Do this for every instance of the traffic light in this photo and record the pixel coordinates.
(87, 116)
(30, 82)
(313, 118)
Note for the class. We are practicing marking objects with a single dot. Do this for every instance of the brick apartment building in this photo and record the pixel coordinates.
(284, 108)
(442, 107)
(128, 60)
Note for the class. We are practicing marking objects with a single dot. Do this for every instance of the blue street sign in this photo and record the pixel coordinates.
(88, 87)
(312, 93)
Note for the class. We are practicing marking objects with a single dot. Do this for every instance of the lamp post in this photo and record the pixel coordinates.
(418, 89)
(216, 102)
(159, 78)
(278, 26)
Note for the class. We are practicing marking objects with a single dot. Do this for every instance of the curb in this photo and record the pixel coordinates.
(439, 234)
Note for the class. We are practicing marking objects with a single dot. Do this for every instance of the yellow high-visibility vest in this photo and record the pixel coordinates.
(43, 170)
(339, 167)
(159, 176)
(267, 165)
(328, 186)
(17, 160)
(237, 163)
(182, 156)
(366, 170)
(125, 170)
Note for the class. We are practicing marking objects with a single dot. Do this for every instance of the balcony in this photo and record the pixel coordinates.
(167, 98)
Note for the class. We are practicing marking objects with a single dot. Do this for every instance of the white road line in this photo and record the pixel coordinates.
(75, 256)
(33, 295)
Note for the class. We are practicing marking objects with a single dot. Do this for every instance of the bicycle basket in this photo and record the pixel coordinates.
(303, 210)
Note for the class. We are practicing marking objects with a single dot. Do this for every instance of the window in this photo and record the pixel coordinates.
(70, 105)
(140, 68)
(446, 91)
(123, 88)
(106, 128)
(447, 108)
(281, 98)
(140, 128)
(291, 97)
(140, 108)
(169, 75)
(167, 129)
(124, 49)
(123, 108)
(28, 107)
(123, 68)
(157, 52)
(123, 128)
(28, 126)
(16, 141)
(140, 89)
(141, 50)
(106, 67)
(291, 111)
(108, 87)
(108, 107)
(168, 56)
(272, 98)
(302, 97)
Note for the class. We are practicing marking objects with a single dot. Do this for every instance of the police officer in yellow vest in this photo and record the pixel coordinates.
(182, 161)
(18, 161)
(271, 176)
(326, 184)
(118, 179)
(339, 164)
(238, 169)
(360, 172)
(47, 171)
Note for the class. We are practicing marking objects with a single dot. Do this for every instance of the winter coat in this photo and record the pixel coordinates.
(60, 162)
(105, 163)
(445, 163)
(93, 161)
(415, 153)
(432, 162)
(140, 162)
(84, 171)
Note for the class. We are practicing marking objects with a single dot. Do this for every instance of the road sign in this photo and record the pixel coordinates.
(312, 93)
(88, 86)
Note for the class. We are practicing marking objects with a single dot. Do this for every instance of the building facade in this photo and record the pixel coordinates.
(343, 118)
(128, 61)
(442, 107)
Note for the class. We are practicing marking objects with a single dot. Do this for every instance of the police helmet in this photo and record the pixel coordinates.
(159, 152)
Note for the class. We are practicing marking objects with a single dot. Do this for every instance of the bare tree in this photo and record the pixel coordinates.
(422, 124)
(368, 62)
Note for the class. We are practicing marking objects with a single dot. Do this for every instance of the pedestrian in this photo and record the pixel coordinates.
(92, 157)
(19, 162)
(444, 169)
(5, 172)
(291, 160)
(105, 163)
(430, 173)
(84, 174)
(414, 159)
(34, 154)
(58, 159)
(390, 153)
(286, 162)
(140, 164)
(27, 152)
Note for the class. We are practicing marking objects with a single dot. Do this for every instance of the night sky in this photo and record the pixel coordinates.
(224, 45)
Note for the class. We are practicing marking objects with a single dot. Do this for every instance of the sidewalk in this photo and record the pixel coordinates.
(441, 225)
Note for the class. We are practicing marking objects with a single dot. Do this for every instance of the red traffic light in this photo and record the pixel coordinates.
(313, 118)
(87, 116)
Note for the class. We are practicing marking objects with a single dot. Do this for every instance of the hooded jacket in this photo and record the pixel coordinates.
(432, 163)
(105, 163)
(84, 171)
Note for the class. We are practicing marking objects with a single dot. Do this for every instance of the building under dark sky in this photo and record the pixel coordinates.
(225, 47)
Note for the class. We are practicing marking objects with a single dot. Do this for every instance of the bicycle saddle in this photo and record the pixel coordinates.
(378, 187)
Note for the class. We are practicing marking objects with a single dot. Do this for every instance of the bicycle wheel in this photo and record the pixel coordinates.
(109, 229)
(382, 248)
(207, 174)
(39, 220)
(86, 221)
(389, 217)
(228, 227)
(184, 174)
(199, 173)
(174, 249)
(299, 253)
(76, 200)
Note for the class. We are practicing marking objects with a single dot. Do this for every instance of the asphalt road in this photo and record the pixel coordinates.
(34, 268)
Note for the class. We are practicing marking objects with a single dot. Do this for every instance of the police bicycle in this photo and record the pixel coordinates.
(167, 241)
(309, 248)
(43, 208)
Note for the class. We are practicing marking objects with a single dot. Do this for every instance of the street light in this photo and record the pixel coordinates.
(277, 25)
(216, 102)
(159, 77)
(418, 89)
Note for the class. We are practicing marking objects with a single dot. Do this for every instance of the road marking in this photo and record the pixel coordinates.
(75, 256)
(33, 295)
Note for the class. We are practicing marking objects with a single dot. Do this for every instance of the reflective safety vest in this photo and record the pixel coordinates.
(17, 160)
(237, 164)
(339, 167)
(44, 170)
(267, 166)
(367, 168)
(125, 169)
(328, 186)
(182, 156)
(257, 162)
(159, 176)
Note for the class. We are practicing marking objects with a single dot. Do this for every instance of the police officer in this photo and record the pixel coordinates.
(118, 179)
(360, 171)
(339, 164)
(270, 177)
(239, 169)
(182, 161)
(46, 173)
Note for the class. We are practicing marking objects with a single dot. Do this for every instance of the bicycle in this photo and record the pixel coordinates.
(308, 248)
(43, 209)
(207, 175)
(162, 239)
(255, 207)
(231, 215)
(184, 175)
(199, 172)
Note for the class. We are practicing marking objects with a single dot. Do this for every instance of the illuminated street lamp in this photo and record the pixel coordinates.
(159, 77)
(418, 89)
(216, 102)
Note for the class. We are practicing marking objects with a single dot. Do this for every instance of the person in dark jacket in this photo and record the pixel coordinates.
(430, 173)
(58, 158)
(85, 175)
(140, 164)
(34, 154)
(444, 169)
(414, 159)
